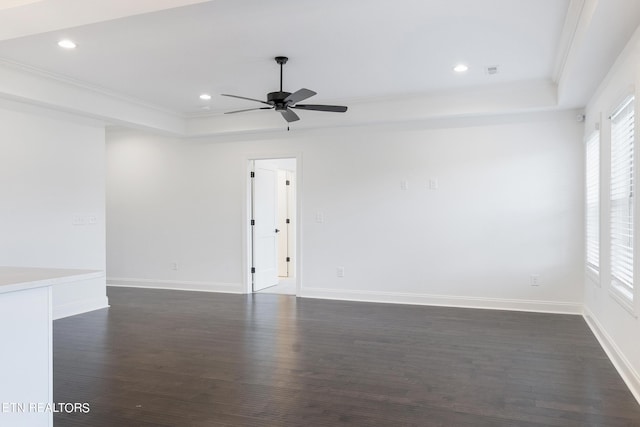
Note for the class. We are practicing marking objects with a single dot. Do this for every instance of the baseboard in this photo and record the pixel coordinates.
(445, 300)
(622, 365)
(79, 307)
(176, 285)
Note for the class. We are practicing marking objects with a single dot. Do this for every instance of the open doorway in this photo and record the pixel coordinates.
(273, 219)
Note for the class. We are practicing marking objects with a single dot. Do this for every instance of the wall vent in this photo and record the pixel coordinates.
(492, 69)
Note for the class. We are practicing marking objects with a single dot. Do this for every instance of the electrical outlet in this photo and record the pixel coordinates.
(433, 183)
(404, 185)
(340, 271)
(535, 280)
(174, 266)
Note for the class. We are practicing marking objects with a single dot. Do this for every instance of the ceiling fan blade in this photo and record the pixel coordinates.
(330, 108)
(299, 95)
(248, 99)
(289, 115)
(249, 109)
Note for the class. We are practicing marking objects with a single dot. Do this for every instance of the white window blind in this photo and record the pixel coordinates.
(622, 196)
(592, 207)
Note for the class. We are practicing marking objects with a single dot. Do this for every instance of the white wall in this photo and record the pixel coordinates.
(169, 202)
(617, 328)
(508, 205)
(52, 169)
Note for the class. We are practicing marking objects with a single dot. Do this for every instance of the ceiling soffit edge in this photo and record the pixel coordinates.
(567, 37)
(30, 17)
(542, 114)
(631, 49)
(574, 35)
(47, 75)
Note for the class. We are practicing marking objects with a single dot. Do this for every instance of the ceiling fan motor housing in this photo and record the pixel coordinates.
(277, 100)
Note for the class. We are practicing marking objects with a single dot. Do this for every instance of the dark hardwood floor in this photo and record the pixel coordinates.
(170, 358)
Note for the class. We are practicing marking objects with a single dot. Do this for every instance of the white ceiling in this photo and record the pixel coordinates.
(166, 53)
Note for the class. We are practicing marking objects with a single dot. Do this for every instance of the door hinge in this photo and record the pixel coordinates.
(253, 174)
(288, 259)
(253, 222)
(253, 270)
(288, 221)
(287, 182)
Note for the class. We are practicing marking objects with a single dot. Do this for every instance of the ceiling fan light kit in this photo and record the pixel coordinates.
(283, 102)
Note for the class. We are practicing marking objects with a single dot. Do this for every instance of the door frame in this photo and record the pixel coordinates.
(246, 226)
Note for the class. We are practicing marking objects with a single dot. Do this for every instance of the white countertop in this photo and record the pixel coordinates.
(20, 278)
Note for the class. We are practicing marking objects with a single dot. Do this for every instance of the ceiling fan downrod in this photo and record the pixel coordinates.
(281, 60)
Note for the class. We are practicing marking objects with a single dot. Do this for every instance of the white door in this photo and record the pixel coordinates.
(265, 239)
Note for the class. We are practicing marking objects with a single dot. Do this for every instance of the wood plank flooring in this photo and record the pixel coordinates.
(170, 358)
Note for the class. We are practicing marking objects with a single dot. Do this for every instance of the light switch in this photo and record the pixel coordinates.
(319, 217)
(433, 183)
(404, 185)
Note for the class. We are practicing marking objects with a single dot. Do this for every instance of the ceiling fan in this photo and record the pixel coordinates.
(283, 102)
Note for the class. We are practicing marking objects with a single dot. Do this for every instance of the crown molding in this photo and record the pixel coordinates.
(18, 66)
(33, 86)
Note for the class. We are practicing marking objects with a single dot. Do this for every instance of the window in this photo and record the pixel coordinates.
(622, 197)
(592, 201)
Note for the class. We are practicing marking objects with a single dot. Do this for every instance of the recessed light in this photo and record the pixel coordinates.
(205, 96)
(460, 68)
(67, 44)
